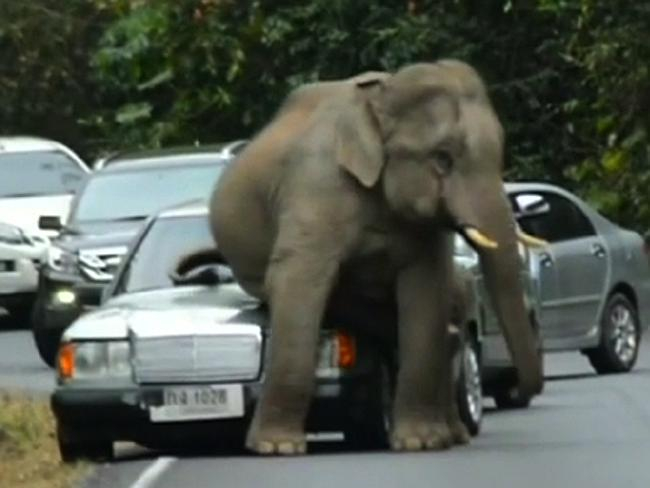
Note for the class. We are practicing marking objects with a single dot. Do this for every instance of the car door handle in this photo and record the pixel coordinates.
(598, 250)
(546, 260)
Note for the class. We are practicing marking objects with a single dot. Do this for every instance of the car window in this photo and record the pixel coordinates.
(38, 173)
(137, 194)
(554, 218)
(166, 241)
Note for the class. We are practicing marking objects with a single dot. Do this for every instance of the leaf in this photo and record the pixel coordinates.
(615, 160)
(161, 78)
(133, 112)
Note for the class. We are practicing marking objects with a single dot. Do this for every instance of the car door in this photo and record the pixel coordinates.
(573, 269)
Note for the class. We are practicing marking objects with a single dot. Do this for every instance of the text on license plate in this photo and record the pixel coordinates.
(199, 402)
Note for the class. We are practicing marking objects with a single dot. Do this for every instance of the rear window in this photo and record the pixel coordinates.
(38, 173)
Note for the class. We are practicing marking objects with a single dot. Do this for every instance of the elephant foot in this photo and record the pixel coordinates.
(420, 435)
(276, 442)
(459, 433)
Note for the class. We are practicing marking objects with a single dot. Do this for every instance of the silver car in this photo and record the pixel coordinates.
(593, 277)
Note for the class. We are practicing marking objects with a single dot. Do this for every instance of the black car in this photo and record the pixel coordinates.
(105, 215)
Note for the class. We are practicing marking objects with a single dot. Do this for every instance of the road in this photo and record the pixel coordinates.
(584, 431)
(20, 367)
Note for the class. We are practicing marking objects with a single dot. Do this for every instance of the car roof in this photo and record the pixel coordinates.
(224, 149)
(162, 158)
(27, 144)
(541, 187)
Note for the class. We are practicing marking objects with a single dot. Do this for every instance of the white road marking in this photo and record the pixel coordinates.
(155, 470)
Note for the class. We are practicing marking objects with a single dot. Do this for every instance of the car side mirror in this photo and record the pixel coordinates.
(531, 204)
(50, 222)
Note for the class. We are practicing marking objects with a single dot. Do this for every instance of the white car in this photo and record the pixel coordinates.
(19, 257)
(37, 177)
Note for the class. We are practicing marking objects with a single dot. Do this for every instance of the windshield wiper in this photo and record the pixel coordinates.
(21, 195)
(71, 231)
(130, 218)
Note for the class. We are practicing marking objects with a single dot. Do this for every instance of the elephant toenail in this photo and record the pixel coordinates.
(287, 448)
(413, 444)
(265, 447)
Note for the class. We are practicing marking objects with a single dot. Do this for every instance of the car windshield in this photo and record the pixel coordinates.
(38, 173)
(138, 194)
(160, 249)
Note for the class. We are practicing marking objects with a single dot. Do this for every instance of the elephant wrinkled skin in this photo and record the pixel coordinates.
(353, 191)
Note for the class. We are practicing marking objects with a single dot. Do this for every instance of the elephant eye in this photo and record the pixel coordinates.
(443, 160)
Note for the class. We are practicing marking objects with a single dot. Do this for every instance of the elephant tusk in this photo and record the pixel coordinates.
(531, 241)
(479, 239)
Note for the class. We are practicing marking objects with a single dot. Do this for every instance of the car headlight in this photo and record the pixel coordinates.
(12, 235)
(61, 260)
(94, 360)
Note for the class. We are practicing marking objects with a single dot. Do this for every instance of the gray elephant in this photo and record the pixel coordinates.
(352, 192)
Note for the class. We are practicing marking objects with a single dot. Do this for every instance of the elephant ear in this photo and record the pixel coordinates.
(358, 142)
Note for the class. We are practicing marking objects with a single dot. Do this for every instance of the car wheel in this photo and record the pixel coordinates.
(74, 448)
(368, 423)
(620, 337)
(47, 343)
(469, 391)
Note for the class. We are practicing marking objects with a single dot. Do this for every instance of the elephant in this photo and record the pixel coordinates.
(353, 192)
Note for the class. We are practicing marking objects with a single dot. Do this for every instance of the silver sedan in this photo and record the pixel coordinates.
(593, 277)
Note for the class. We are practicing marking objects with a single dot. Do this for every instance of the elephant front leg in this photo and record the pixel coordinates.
(420, 415)
(298, 289)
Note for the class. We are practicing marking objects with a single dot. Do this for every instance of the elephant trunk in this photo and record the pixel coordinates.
(484, 206)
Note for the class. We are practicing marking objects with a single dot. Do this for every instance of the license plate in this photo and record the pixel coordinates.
(199, 403)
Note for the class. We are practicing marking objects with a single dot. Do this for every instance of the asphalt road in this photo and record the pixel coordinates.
(20, 367)
(584, 431)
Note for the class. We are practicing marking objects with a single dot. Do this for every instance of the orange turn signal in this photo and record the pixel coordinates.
(347, 350)
(66, 360)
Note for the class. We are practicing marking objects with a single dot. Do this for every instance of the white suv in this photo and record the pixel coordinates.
(19, 256)
(37, 177)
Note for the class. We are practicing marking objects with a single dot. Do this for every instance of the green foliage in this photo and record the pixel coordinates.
(44, 76)
(569, 77)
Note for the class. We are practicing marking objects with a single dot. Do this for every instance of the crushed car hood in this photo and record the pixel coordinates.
(184, 310)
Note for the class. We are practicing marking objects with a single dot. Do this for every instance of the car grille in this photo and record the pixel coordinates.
(101, 264)
(226, 356)
(7, 266)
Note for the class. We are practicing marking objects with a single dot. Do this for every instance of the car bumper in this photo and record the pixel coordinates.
(122, 414)
(18, 277)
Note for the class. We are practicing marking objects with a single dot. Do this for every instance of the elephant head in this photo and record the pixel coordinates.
(428, 138)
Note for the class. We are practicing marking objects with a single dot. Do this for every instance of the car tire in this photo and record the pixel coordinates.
(620, 336)
(47, 343)
(21, 317)
(73, 448)
(508, 397)
(469, 391)
(367, 424)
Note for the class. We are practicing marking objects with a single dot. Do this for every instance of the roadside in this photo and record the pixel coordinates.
(29, 455)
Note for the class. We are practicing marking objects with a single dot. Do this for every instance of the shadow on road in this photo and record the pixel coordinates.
(572, 376)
